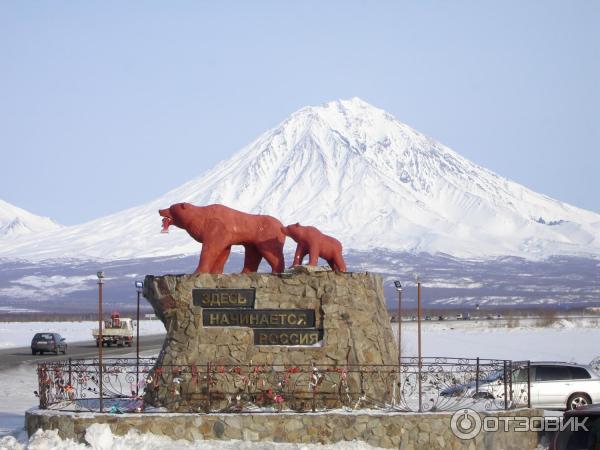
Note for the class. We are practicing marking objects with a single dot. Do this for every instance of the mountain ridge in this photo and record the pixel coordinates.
(15, 221)
(357, 173)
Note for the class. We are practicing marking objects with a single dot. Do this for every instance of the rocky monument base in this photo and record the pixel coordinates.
(293, 320)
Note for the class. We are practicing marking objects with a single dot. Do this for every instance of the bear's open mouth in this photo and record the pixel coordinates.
(166, 223)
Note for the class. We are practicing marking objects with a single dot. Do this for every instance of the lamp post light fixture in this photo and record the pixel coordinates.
(100, 342)
(139, 285)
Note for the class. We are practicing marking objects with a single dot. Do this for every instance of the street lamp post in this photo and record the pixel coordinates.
(139, 285)
(420, 363)
(100, 342)
(399, 289)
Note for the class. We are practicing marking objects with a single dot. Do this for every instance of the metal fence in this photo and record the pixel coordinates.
(415, 385)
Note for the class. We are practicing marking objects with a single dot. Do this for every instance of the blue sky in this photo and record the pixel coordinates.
(106, 105)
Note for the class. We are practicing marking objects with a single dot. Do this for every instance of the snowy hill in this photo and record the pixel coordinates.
(357, 173)
(15, 221)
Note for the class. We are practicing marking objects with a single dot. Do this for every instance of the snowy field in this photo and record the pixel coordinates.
(566, 340)
(19, 334)
(573, 340)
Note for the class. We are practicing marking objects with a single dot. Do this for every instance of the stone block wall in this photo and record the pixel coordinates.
(380, 429)
(349, 308)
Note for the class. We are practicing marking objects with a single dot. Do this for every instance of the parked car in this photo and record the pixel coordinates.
(554, 385)
(575, 438)
(48, 342)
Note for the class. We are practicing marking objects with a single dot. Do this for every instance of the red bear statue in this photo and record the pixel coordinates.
(317, 245)
(218, 227)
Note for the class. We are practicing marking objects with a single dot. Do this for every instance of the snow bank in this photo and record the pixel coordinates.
(99, 437)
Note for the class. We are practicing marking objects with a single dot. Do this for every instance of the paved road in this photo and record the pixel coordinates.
(12, 357)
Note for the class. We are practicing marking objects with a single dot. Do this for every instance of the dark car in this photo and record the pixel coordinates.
(48, 342)
(579, 437)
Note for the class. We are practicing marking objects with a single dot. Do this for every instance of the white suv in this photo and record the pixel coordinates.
(554, 385)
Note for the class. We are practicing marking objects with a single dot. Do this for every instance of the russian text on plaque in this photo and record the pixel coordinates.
(258, 318)
(224, 298)
(287, 337)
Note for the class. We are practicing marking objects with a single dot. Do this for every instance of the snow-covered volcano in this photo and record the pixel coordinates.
(356, 172)
(15, 221)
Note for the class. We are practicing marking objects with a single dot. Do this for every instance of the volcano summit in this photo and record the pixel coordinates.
(359, 174)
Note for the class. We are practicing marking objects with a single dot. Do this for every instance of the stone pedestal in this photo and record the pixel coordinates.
(350, 317)
(395, 430)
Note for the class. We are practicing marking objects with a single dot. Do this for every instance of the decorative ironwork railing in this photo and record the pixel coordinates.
(428, 384)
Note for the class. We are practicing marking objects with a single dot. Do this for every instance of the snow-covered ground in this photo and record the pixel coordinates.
(572, 340)
(19, 334)
(99, 437)
(566, 340)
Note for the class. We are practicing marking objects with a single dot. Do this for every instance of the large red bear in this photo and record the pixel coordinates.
(218, 227)
(317, 245)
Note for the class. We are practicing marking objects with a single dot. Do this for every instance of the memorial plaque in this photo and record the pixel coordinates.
(258, 318)
(224, 298)
(287, 337)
